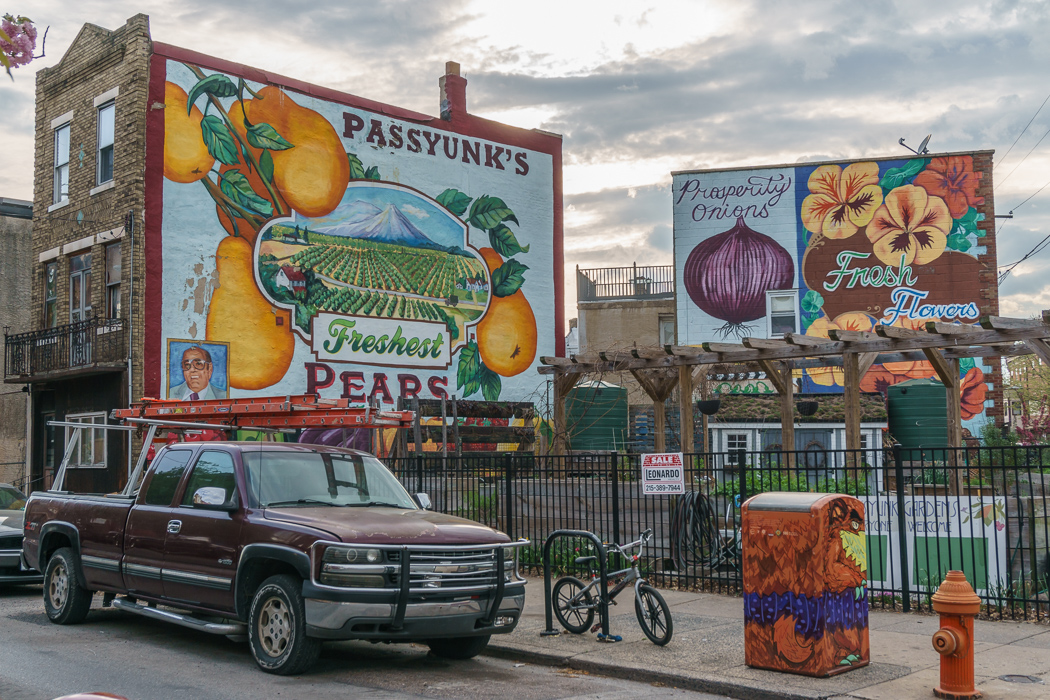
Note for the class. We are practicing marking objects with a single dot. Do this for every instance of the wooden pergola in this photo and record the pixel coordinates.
(660, 370)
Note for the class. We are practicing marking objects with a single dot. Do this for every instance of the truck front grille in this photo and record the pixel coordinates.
(449, 569)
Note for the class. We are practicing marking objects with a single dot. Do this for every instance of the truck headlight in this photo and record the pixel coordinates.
(352, 555)
(353, 567)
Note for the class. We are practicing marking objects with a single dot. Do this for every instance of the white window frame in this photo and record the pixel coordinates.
(793, 293)
(746, 434)
(100, 146)
(61, 166)
(87, 441)
(662, 320)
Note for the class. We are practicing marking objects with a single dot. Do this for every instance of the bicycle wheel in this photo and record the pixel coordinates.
(653, 615)
(574, 615)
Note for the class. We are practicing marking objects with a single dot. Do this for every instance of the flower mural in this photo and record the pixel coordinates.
(909, 369)
(953, 180)
(841, 201)
(851, 321)
(911, 224)
(972, 393)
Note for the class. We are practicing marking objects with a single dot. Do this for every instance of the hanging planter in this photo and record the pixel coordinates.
(806, 408)
(709, 407)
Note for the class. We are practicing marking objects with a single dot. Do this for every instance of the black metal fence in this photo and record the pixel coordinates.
(985, 511)
(73, 346)
(635, 282)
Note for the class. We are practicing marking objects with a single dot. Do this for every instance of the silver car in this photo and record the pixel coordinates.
(12, 515)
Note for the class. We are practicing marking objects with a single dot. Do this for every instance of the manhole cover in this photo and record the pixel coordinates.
(1017, 678)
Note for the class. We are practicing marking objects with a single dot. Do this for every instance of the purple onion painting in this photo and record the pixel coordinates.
(728, 276)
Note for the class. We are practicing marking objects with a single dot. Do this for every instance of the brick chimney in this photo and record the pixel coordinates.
(453, 92)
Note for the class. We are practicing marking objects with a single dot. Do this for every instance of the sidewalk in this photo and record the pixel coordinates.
(707, 653)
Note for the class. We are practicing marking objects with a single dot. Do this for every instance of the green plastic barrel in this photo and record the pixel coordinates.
(918, 417)
(597, 416)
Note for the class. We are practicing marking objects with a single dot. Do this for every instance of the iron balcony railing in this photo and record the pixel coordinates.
(635, 282)
(80, 345)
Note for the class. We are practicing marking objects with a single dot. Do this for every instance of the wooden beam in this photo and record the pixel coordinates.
(940, 365)
(851, 390)
(767, 343)
(563, 383)
(1000, 323)
(851, 336)
(1040, 348)
(557, 361)
(950, 328)
(799, 339)
(865, 361)
(685, 408)
(773, 374)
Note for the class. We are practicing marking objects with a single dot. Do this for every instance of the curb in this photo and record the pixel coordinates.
(645, 675)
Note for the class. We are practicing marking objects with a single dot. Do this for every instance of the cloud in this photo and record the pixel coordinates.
(415, 211)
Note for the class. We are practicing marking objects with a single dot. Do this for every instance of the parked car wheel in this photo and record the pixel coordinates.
(65, 601)
(458, 647)
(277, 628)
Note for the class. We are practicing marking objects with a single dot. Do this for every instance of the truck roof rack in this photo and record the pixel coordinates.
(271, 413)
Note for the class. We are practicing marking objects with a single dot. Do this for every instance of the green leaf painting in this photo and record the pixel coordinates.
(469, 368)
(967, 224)
(503, 241)
(488, 212)
(236, 186)
(220, 142)
(266, 166)
(218, 85)
(454, 200)
(357, 169)
(508, 278)
(895, 177)
(372, 173)
(490, 384)
(812, 302)
(958, 241)
(265, 136)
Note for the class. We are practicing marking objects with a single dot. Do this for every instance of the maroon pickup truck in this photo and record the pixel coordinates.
(283, 545)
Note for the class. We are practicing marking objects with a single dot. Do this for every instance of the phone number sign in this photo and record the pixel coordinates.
(663, 473)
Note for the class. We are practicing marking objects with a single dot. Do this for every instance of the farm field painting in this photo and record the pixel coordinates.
(384, 252)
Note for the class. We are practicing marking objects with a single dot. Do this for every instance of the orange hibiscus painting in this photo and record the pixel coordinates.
(973, 392)
(849, 321)
(953, 180)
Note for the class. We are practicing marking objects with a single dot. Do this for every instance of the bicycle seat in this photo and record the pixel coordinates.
(585, 560)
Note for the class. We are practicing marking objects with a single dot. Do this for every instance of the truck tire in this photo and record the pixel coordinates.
(277, 628)
(458, 647)
(65, 601)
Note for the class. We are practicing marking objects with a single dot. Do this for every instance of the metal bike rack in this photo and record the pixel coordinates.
(603, 601)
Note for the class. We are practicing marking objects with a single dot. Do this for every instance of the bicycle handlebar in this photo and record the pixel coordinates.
(642, 540)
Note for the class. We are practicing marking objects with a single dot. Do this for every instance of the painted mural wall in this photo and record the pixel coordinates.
(313, 245)
(890, 241)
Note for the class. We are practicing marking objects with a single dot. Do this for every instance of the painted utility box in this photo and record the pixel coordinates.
(805, 583)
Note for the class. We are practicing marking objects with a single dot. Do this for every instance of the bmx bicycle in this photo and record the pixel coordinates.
(574, 601)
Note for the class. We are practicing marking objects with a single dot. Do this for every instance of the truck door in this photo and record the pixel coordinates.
(200, 558)
(148, 524)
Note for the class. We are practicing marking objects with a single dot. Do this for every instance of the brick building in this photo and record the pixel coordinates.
(16, 226)
(161, 220)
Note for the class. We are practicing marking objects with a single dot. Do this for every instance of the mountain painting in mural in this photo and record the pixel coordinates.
(366, 221)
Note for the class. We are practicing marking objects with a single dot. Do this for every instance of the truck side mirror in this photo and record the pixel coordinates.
(213, 498)
(423, 500)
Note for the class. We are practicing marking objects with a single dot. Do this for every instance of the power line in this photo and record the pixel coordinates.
(998, 184)
(1037, 249)
(1023, 131)
(1030, 196)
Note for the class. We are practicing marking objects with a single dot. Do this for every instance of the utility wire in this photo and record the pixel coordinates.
(1023, 131)
(1037, 249)
(998, 184)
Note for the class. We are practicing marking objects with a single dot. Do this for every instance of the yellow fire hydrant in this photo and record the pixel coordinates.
(958, 605)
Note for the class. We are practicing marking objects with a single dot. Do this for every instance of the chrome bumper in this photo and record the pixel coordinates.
(450, 618)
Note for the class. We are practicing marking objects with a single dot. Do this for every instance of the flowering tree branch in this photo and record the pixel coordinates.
(17, 41)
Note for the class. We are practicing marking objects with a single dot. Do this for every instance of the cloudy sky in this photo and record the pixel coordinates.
(640, 89)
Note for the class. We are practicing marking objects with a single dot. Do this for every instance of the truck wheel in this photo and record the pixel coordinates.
(65, 602)
(458, 647)
(277, 628)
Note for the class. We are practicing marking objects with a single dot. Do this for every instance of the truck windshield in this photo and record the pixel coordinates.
(321, 478)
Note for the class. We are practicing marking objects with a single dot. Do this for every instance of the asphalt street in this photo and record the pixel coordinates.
(142, 659)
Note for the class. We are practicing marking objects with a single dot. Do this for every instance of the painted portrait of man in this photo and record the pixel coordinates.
(197, 371)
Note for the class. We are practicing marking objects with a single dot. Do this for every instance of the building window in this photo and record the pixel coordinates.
(105, 143)
(736, 441)
(113, 281)
(80, 287)
(51, 295)
(90, 451)
(781, 310)
(61, 163)
(667, 330)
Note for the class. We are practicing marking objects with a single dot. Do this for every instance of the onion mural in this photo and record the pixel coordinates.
(728, 276)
